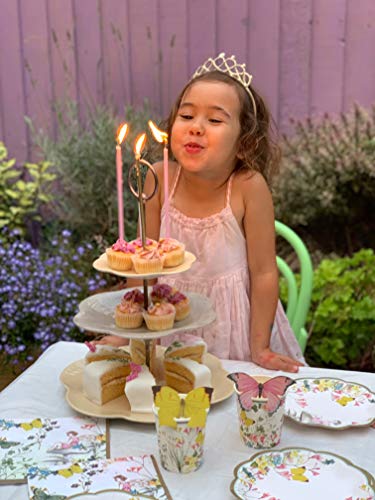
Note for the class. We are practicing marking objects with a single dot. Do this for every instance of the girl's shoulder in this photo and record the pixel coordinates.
(249, 184)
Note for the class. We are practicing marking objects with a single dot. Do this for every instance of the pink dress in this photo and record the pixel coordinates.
(221, 273)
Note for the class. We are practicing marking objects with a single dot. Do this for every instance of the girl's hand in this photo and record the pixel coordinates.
(112, 340)
(275, 361)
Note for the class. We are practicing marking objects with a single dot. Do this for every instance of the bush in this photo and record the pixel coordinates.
(40, 293)
(327, 181)
(341, 321)
(22, 191)
(84, 159)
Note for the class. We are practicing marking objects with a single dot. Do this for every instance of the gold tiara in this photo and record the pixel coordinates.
(229, 66)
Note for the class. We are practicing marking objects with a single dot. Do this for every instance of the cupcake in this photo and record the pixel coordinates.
(134, 296)
(148, 261)
(119, 256)
(181, 304)
(161, 292)
(160, 316)
(173, 251)
(139, 246)
(128, 314)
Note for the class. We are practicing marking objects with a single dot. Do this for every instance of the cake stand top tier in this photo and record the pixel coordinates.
(101, 264)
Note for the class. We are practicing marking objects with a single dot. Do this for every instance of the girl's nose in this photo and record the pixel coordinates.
(196, 127)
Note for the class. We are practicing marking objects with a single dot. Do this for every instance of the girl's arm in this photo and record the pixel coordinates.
(259, 227)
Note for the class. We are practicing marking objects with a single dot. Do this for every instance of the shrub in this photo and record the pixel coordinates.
(341, 321)
(40, 292)
(84, 159)
(327, 180)
(22, 191)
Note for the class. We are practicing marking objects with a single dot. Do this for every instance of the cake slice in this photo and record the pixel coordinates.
(105, 380)
(190, 347)
(138, 353)
(106, 352)
(184, 375)
(138, 389)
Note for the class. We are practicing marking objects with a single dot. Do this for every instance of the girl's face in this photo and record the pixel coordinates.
(206, 130)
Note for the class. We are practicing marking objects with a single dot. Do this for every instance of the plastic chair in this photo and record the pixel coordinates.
(298, 299)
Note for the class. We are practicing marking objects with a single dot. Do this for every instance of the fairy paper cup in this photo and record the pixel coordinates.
(180, 448)
(259, 426)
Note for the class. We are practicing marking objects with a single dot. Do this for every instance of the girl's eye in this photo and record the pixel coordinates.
(215, 120)
(185, 116)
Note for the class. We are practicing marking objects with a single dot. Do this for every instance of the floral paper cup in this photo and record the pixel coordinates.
(260, 427)
(180, 448)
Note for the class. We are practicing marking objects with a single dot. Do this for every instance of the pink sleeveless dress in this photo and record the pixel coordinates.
(221, 273)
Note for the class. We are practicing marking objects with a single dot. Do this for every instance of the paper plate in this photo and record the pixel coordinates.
(71, 377)
(97, 314)
(101, 264)
(300, 473)
(330, 403)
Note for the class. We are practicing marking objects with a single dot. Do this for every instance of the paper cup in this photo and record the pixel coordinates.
(260, 428)
(180, 448)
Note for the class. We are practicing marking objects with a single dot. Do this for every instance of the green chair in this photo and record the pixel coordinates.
(298, 299)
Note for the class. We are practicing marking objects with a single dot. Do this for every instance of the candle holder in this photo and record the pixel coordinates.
(142, 199)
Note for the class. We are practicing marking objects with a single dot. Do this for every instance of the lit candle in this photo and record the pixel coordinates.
(120, 203)
(139, 145)
(162, 137)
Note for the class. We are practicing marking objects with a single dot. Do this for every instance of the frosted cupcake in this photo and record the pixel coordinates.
(119, 256)
(181, 304)
(128, 314)
(134, 296)
(160, 316)
(173, 251)
(148, 261)
(161, 292)
(139, 246)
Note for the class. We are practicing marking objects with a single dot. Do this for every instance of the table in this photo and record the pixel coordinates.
(38, 392)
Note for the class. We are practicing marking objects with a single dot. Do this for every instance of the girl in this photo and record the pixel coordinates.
(221, 208)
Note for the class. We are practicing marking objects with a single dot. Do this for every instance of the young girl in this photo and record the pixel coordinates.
(221, 208)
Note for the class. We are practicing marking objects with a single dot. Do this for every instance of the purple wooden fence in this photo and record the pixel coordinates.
(307, 56)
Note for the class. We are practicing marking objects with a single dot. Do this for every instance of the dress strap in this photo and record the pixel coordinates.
(229, 190)
(175, 183)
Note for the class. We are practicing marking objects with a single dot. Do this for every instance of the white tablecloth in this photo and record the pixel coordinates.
(38, 392)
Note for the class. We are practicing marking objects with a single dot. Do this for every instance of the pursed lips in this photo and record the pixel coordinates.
(193, 147)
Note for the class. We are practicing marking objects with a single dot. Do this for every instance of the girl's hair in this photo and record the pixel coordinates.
(257, 149)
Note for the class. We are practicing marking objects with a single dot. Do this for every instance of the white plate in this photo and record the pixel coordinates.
(72, 376)
(97, 314)
(101, 264)
(330, 403)
(300, 473)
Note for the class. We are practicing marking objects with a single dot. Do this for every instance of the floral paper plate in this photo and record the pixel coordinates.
(330, 403)
(300, 473)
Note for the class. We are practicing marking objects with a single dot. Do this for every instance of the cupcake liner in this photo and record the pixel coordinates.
(128, 320)
(158, 323)
(143, 266)
(120, 261)
(182, 310)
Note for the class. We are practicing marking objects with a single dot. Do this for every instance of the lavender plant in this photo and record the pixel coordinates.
(40, 292)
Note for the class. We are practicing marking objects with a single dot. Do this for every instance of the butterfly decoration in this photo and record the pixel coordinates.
(171, 405)
(249, 388)
(40, 494)
(298, 474)
(34, 424)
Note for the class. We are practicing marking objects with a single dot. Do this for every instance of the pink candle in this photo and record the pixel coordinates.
(166, 188)
(120, 203)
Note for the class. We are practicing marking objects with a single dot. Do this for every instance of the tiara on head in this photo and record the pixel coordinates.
(229, 66)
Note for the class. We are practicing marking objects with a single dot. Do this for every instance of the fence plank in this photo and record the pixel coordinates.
(359, 75)
(173, 47)
(263, 53)
(116, 58)
(202, 43)
(232, 26)
(12, 91)
(145, 63)
(295, 44)
(327, 61)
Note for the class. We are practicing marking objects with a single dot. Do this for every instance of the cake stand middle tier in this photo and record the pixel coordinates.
(97, 314)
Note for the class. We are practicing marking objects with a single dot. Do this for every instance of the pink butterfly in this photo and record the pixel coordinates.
(249, 388)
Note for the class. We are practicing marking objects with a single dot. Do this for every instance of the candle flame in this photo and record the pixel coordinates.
(140, 143)
(159, 135)
(122, 131)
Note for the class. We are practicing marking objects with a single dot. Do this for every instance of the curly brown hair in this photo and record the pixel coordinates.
(258, 150)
